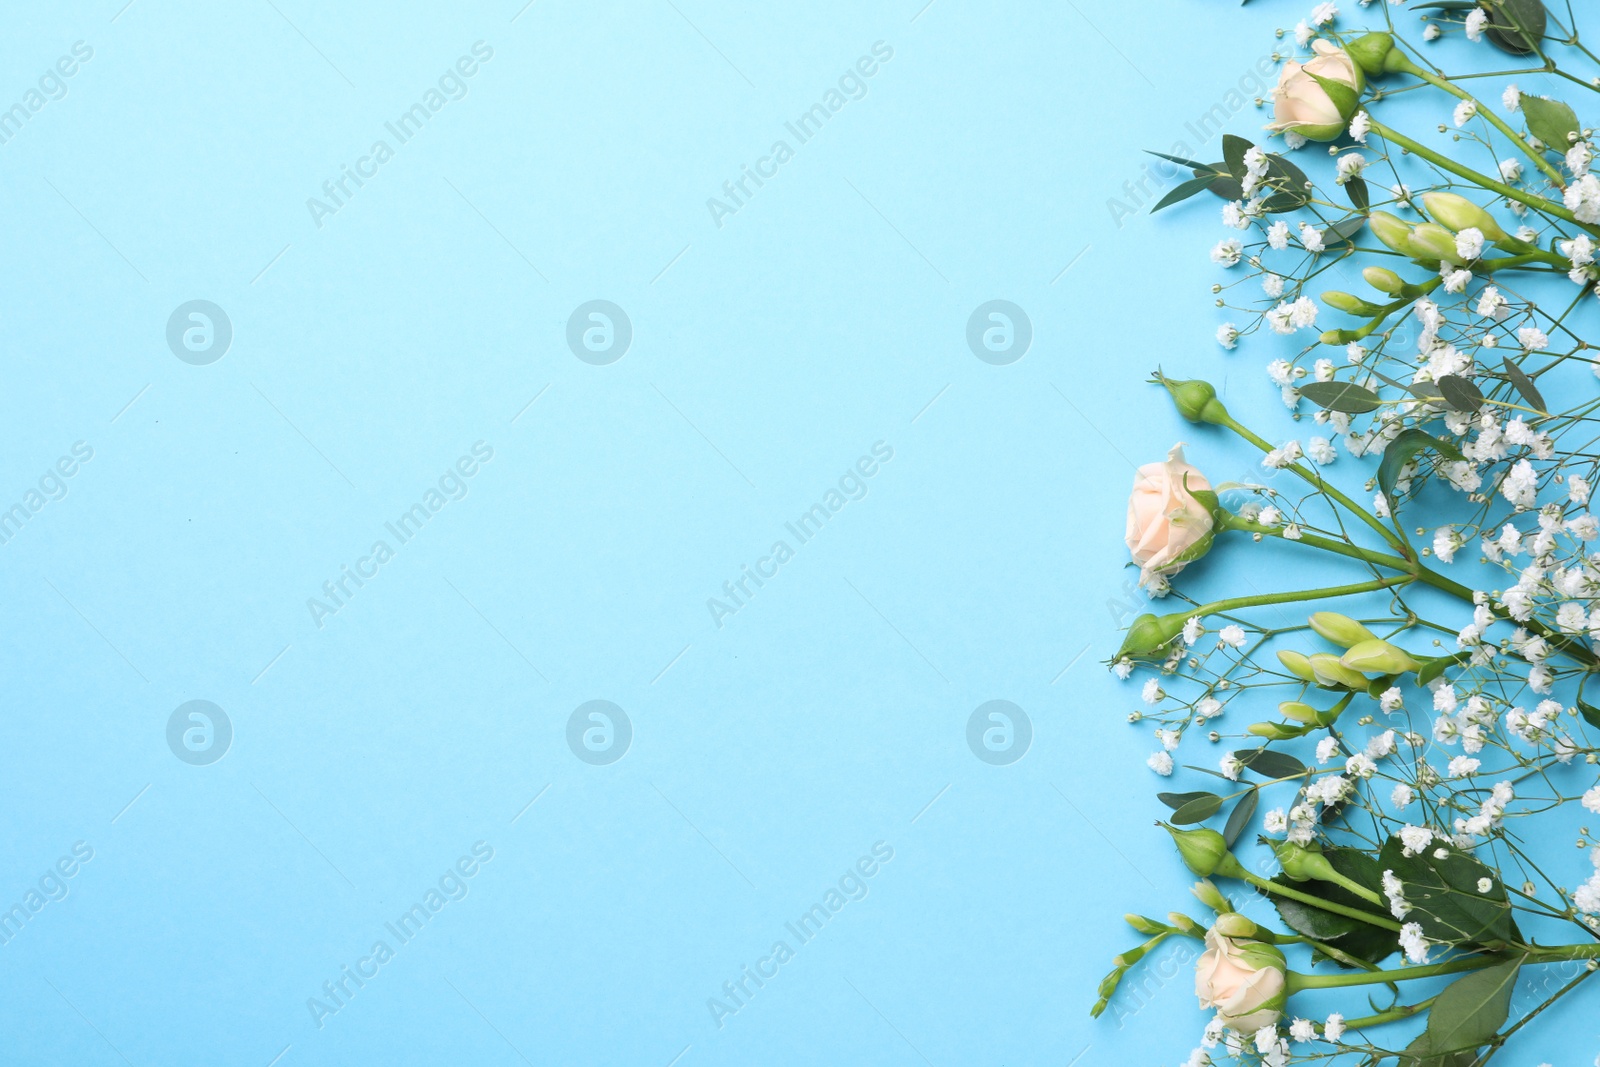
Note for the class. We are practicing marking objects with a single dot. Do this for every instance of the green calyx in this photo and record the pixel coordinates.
(1205, 852)
(1150, 635)
(1373, 54)
(1304, 862)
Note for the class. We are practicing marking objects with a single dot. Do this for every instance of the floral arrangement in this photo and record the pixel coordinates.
(1386, 850)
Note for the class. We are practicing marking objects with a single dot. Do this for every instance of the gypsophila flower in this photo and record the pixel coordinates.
(1476, 20)
(1350, 165)
(1431, 32)
(1415, 839)
(1303, 32)
(1511, 99)
(1333, 1028)
(1360, 124)
(1227, 252)
(1401, 796)
(1464, 112)
(1323, 14)
(1160, 762)
(1326, 748)
(1272, 284)
(1122, 668)
(1303, 1030)
(1469, 243)
(1578, 158)
(1491, 304)
(1275, 821)
(1533, 339)
(1228, 335)
(1152, 692)
(1278, 235)
(1311, 238)
(1192, 630)
(1232, 634)
(1582, 198)
(1461, 766)
(1415, 945)
(1354, 352)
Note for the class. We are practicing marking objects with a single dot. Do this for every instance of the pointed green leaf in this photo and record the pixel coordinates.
(1356, 190)
(1265, 761)
(1198, 810)
(1178, 800)
(1240, 817)
(1460, 393)
(1407, 444)
(1550, 121)
(1233, 150)
(1524, 385)
(1347, 397)
(1183, 192)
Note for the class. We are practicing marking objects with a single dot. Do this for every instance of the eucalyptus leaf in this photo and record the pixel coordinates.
(1178, 800)
(1550, 120)
(1233, 150)
(1265, 761)
(1191, 164)
(1461, 393)
(1590, 713)
(1347, 397)
(1198, 810)
(1356, 190)
(1240, 816)
(1343, 230)
(1524, 385)
(1409, 443)
(1183, 192)
(1516, 26)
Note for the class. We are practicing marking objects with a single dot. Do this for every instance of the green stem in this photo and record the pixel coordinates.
(1298, 981)
(1316, 902)
(1548, 207)
(1217, 607)
(1405, 65)
(1404, 1011)
(1354, 508)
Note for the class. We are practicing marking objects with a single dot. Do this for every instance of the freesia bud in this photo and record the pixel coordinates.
(1206, 891)
(1299, 712)
(1143, 925)
(1185, 925)
(1340, 629)
(1196, 400)
(1459, 213)
(1329, 670)
(1383, 279)
(1276, 731)
(1379, 657)
(1243, 980)
(1352, 305)
(1302, 862)
(1430, 241)
(1390, 229)
(1205, 852)
(1296, 663)
(1317, 99)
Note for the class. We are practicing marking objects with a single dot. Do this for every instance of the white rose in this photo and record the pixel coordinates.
(1167, 526)
(1242, 980)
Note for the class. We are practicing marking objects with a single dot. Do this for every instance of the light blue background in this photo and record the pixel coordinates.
(368, 354)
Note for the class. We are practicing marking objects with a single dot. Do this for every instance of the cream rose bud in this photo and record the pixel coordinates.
(1318, 109)
(1242, 980)
(1167, 526)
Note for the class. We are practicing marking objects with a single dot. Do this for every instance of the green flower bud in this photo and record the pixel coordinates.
(1276, 731)
(1196, 400)
(1150, 635)
(1371, 53)
(1351, 305)
(1379, 657)
(1459, 213)
(1329, 670)
(1342, 630)
(1383, 279)
(1208, 894)
(1205, 852)
(1235, 925)
(1302, 862)
(1185, 925)
(1299, 712)
(1430, 241)
(1390, 229)
(1144, 925)
(1297, 664)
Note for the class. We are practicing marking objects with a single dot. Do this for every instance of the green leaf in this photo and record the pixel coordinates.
(1524, 385)
(1435, 667)
(1265, 761)
(1233, 150)
(1198, 810)
(1240, 817)
(1183, 192)
(1290, 181)
(1351, 936)
(1178, 800)
(1343, 230)
(1191, 164)
(1460, 393)
(1356, 190)
(1228, 188)
(1550, 121)
(1516, 26)
(1347, 397)
(1590, 713)
(1406, 445)
(1469, 1012)
(1444, 897)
